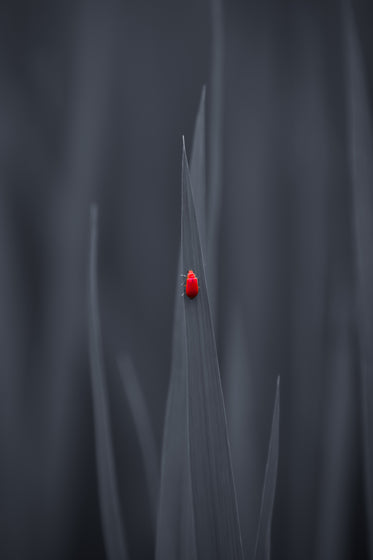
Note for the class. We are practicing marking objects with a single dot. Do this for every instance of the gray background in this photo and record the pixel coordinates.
(94, 98)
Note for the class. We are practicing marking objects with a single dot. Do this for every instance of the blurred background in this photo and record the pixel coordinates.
(94, 98)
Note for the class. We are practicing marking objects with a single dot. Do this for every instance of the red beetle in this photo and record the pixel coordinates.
(191, 285)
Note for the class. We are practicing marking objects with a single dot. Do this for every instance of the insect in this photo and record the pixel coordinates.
(191, 284)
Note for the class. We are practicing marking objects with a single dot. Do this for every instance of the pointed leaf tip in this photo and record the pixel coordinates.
(93, 213)
(111, 516)
(218, 534)
(142, 421)
(263, 540)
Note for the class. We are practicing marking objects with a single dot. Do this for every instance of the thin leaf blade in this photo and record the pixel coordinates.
(215, 142)
(140, 414)
(111, 515)
(263, 540)
(175, 526)
(218, 534)
(198, 168)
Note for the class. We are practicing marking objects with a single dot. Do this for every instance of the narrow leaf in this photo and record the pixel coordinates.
(111, 516)
(215, 142)
(143, 425)
(215, 509)
(361, 150)
(216, 118)
(263, 539)
(175, 528)
(198, 168)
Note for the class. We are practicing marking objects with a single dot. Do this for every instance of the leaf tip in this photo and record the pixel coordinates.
(203, 94)
(94, 212)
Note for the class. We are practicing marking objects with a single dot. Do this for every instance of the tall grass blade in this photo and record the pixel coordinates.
(216, 116)
(361, 150)
(143, 425)
(111, 516)
(341, 471)
(175, 527)
(263, 539)
(218, 533)
(198, 169)
(215, 141)
(242, 421)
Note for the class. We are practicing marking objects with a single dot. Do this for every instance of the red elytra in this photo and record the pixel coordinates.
(191, 285)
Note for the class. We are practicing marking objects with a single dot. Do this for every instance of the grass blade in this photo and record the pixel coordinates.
(198, 168)
(142, 421)
(215, 140)
(218, 533)
(216, 117)
(175, 528)
(361, 150)
(111, 516)
(263, 540)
